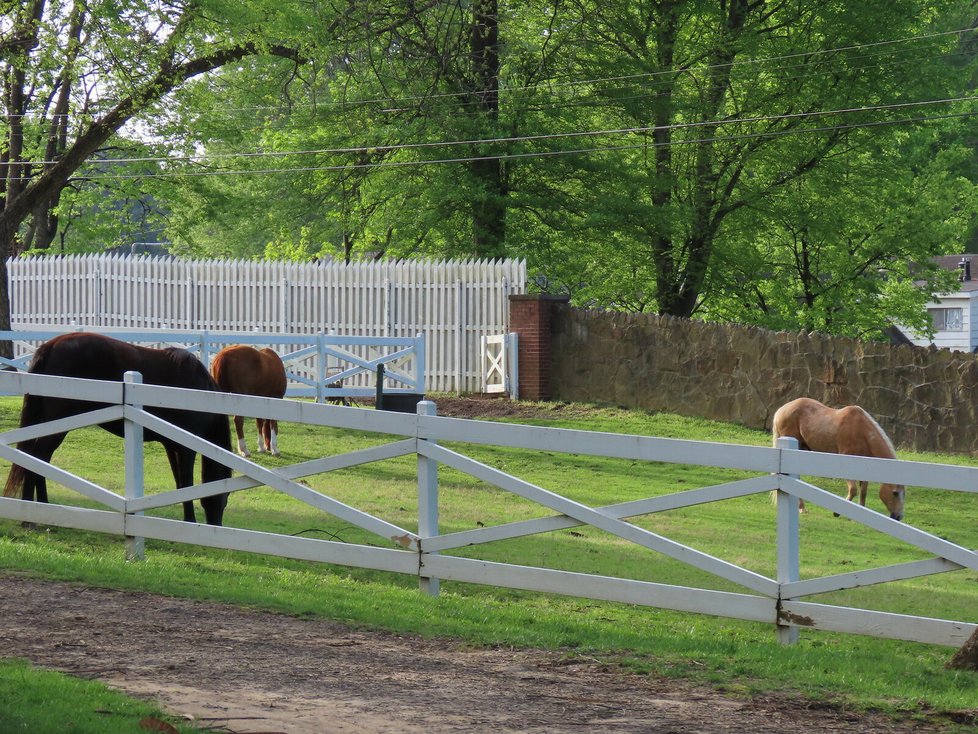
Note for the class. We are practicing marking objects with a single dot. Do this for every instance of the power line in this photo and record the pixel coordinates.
(527, 155)
(381, 148)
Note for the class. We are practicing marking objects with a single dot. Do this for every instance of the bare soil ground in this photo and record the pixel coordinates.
(238, 670)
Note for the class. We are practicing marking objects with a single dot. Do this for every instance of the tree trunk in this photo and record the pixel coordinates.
(7, 235)
(680, 281)
(967, 657)
(488, 203)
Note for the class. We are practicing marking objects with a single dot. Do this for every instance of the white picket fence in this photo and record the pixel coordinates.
(426, 552)
(320, 366)
(453, 303)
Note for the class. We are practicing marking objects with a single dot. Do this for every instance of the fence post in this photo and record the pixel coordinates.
(420, 363)
(205, 349)
(427, 504)
(459, 345)
(379, 394)
(788, 553)
(321, 370)
(133, 434)
(512, 367)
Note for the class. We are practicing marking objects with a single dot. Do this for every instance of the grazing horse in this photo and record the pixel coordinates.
(97, 357)
(249, 371)
(849, 430)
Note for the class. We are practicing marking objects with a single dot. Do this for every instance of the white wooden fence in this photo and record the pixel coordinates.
(320, 366)
(426, 553)
(453, 303)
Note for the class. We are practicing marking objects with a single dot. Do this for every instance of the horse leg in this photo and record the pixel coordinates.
(182, 466)
(42, 448)
(273, 437)
(261, 426)
(33, 484)
(239, 428)
(851, 490)
(862, 492)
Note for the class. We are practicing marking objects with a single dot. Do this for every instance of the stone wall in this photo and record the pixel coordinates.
(924, 398)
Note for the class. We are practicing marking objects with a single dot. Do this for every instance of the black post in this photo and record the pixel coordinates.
(380, 387)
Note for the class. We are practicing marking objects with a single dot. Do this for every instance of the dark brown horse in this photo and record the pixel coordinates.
(249, 371)
(98, 357)
(849, 430)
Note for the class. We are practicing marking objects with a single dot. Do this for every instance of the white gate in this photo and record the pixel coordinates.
(320, 366)
(500, 365)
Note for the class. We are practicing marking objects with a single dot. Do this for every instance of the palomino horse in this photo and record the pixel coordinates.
(849, 430)
(249, 371)
(98, 357)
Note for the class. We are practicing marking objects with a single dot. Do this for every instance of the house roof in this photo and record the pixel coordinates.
(950, 262)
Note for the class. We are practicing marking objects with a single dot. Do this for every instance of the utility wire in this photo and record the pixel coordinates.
(381, 148)
(518, 156)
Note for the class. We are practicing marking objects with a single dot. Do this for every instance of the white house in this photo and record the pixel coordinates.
(954, 315)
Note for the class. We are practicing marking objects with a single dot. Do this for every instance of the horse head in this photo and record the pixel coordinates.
(893, 496)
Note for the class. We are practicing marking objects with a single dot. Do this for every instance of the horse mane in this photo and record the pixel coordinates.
(219, 433)
(188, 365)
(879, 430)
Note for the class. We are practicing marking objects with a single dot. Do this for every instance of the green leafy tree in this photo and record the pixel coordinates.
(728, 159)
(75, 73)
(741, 148)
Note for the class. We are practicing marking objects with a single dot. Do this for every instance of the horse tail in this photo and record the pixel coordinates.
(218, 372)
(15, 481)
(30, 413)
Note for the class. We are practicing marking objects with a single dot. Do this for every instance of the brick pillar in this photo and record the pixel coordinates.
(530, 316)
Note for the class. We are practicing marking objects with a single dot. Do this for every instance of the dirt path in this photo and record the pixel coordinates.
(240, 670)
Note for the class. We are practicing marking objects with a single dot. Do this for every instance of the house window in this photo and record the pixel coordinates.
(947, 319)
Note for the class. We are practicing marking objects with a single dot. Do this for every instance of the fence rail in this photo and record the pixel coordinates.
(453, 303)
(320, 366)
(780, 600)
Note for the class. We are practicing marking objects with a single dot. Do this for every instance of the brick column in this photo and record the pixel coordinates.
(530, 316)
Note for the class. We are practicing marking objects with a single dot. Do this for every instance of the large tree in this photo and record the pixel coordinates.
(377, 123)
(736, 104)
(74, 74)
(738, 159)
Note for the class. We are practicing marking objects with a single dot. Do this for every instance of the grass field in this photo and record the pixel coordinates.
(37, 701)
(738, 656)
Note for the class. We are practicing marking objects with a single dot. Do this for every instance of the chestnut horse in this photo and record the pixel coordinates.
(849, 430)
(97, 357)
(249, 371)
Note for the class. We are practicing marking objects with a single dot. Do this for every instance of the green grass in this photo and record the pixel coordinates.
(44, 701)
(903, 678)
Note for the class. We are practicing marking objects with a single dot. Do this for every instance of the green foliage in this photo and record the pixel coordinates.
(790, 166)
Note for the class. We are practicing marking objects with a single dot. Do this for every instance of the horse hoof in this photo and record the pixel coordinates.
(244, 453)
(276, 453)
